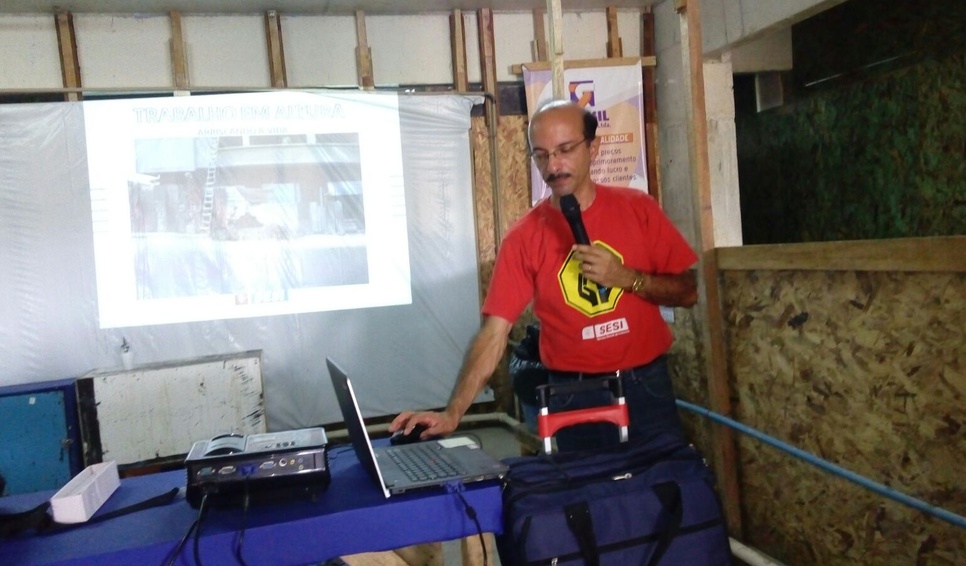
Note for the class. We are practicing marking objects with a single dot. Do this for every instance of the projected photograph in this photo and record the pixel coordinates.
(252, 216)
(241, 205)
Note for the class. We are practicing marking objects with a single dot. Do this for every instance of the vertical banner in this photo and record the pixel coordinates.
(614, 92)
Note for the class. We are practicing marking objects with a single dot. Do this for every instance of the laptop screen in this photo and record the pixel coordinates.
(354, 423)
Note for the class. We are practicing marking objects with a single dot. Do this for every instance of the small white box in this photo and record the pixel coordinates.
(77, 501)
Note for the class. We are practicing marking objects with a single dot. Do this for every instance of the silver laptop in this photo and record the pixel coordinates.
(431, 463)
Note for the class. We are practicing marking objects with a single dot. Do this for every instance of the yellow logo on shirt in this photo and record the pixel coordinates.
(582, 293)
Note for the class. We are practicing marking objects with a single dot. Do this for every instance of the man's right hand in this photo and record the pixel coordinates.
(436, 423)
(485, 352)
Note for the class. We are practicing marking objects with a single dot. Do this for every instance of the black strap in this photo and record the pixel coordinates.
(14, 523)
(156, 501)
(578, 519)
(669, 493)
(39, 520)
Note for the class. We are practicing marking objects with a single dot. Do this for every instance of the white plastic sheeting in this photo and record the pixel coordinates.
(401, 356)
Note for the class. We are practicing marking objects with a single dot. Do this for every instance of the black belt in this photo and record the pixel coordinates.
(580, 375)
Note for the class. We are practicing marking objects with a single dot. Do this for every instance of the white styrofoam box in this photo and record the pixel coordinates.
(77, 501)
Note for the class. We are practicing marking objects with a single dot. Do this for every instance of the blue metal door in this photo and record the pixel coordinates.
(34, 441)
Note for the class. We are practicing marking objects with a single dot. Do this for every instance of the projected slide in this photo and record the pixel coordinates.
(243, 205)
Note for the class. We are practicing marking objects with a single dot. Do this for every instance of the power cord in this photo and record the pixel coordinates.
(457, 488)
(173, 555)
(239, 540)
(195, 529)
(202, 512)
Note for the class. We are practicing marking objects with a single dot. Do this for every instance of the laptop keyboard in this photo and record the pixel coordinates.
(424, 463)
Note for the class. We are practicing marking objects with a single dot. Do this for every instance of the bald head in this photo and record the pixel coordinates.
(566, 110)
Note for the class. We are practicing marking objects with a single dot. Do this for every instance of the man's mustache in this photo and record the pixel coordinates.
(554, 176)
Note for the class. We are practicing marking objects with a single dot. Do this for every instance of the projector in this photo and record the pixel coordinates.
(263, 467)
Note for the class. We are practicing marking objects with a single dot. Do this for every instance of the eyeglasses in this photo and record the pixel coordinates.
(541, 156)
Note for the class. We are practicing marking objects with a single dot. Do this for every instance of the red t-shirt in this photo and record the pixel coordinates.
(579, 331)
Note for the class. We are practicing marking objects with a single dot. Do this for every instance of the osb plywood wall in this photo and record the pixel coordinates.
(690, 379)
(865, 370)
(513, 199)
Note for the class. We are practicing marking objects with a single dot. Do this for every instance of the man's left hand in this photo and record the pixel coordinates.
(602, 267)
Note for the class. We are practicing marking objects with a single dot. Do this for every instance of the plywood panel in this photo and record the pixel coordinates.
(513, 177)
(865, 370)
(513, 197)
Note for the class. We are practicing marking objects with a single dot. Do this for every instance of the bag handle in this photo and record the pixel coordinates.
(578, 519)
(669, 493)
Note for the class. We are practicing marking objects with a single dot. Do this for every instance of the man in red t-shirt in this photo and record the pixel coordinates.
(597, 304)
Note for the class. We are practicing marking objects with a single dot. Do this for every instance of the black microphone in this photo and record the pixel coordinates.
(571, 211)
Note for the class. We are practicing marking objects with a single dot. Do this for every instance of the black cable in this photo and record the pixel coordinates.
(173, 555)
(471, 513)
(239, 540)
(202, 511)
(195, 526)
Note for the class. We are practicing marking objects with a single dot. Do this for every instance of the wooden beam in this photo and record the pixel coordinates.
(363, 54)
(652, 151)
(940, 254)
(614, 46)
(69, 62)
(538, 47)
(179, 58)
(649, 61)
(556, 49)
(484, 21)
(709, 312)
(276, 52)
(457, 33)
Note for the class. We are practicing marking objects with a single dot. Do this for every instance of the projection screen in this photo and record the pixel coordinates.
(298, 223)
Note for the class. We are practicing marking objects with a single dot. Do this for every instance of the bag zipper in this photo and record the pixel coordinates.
(564, 483)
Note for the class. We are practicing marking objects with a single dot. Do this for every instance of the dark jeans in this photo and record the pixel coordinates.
(650, 403)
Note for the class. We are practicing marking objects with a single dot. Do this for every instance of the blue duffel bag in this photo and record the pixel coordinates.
(644, 502)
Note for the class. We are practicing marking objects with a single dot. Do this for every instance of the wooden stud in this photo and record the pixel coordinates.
(538, 47)
(363, 54)
(556, 49)
(614, 46)
(276, 52)
(69, 62)
(179, 58)
(484, 20)
(652, 152)
(709, 311)
(457, 33)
